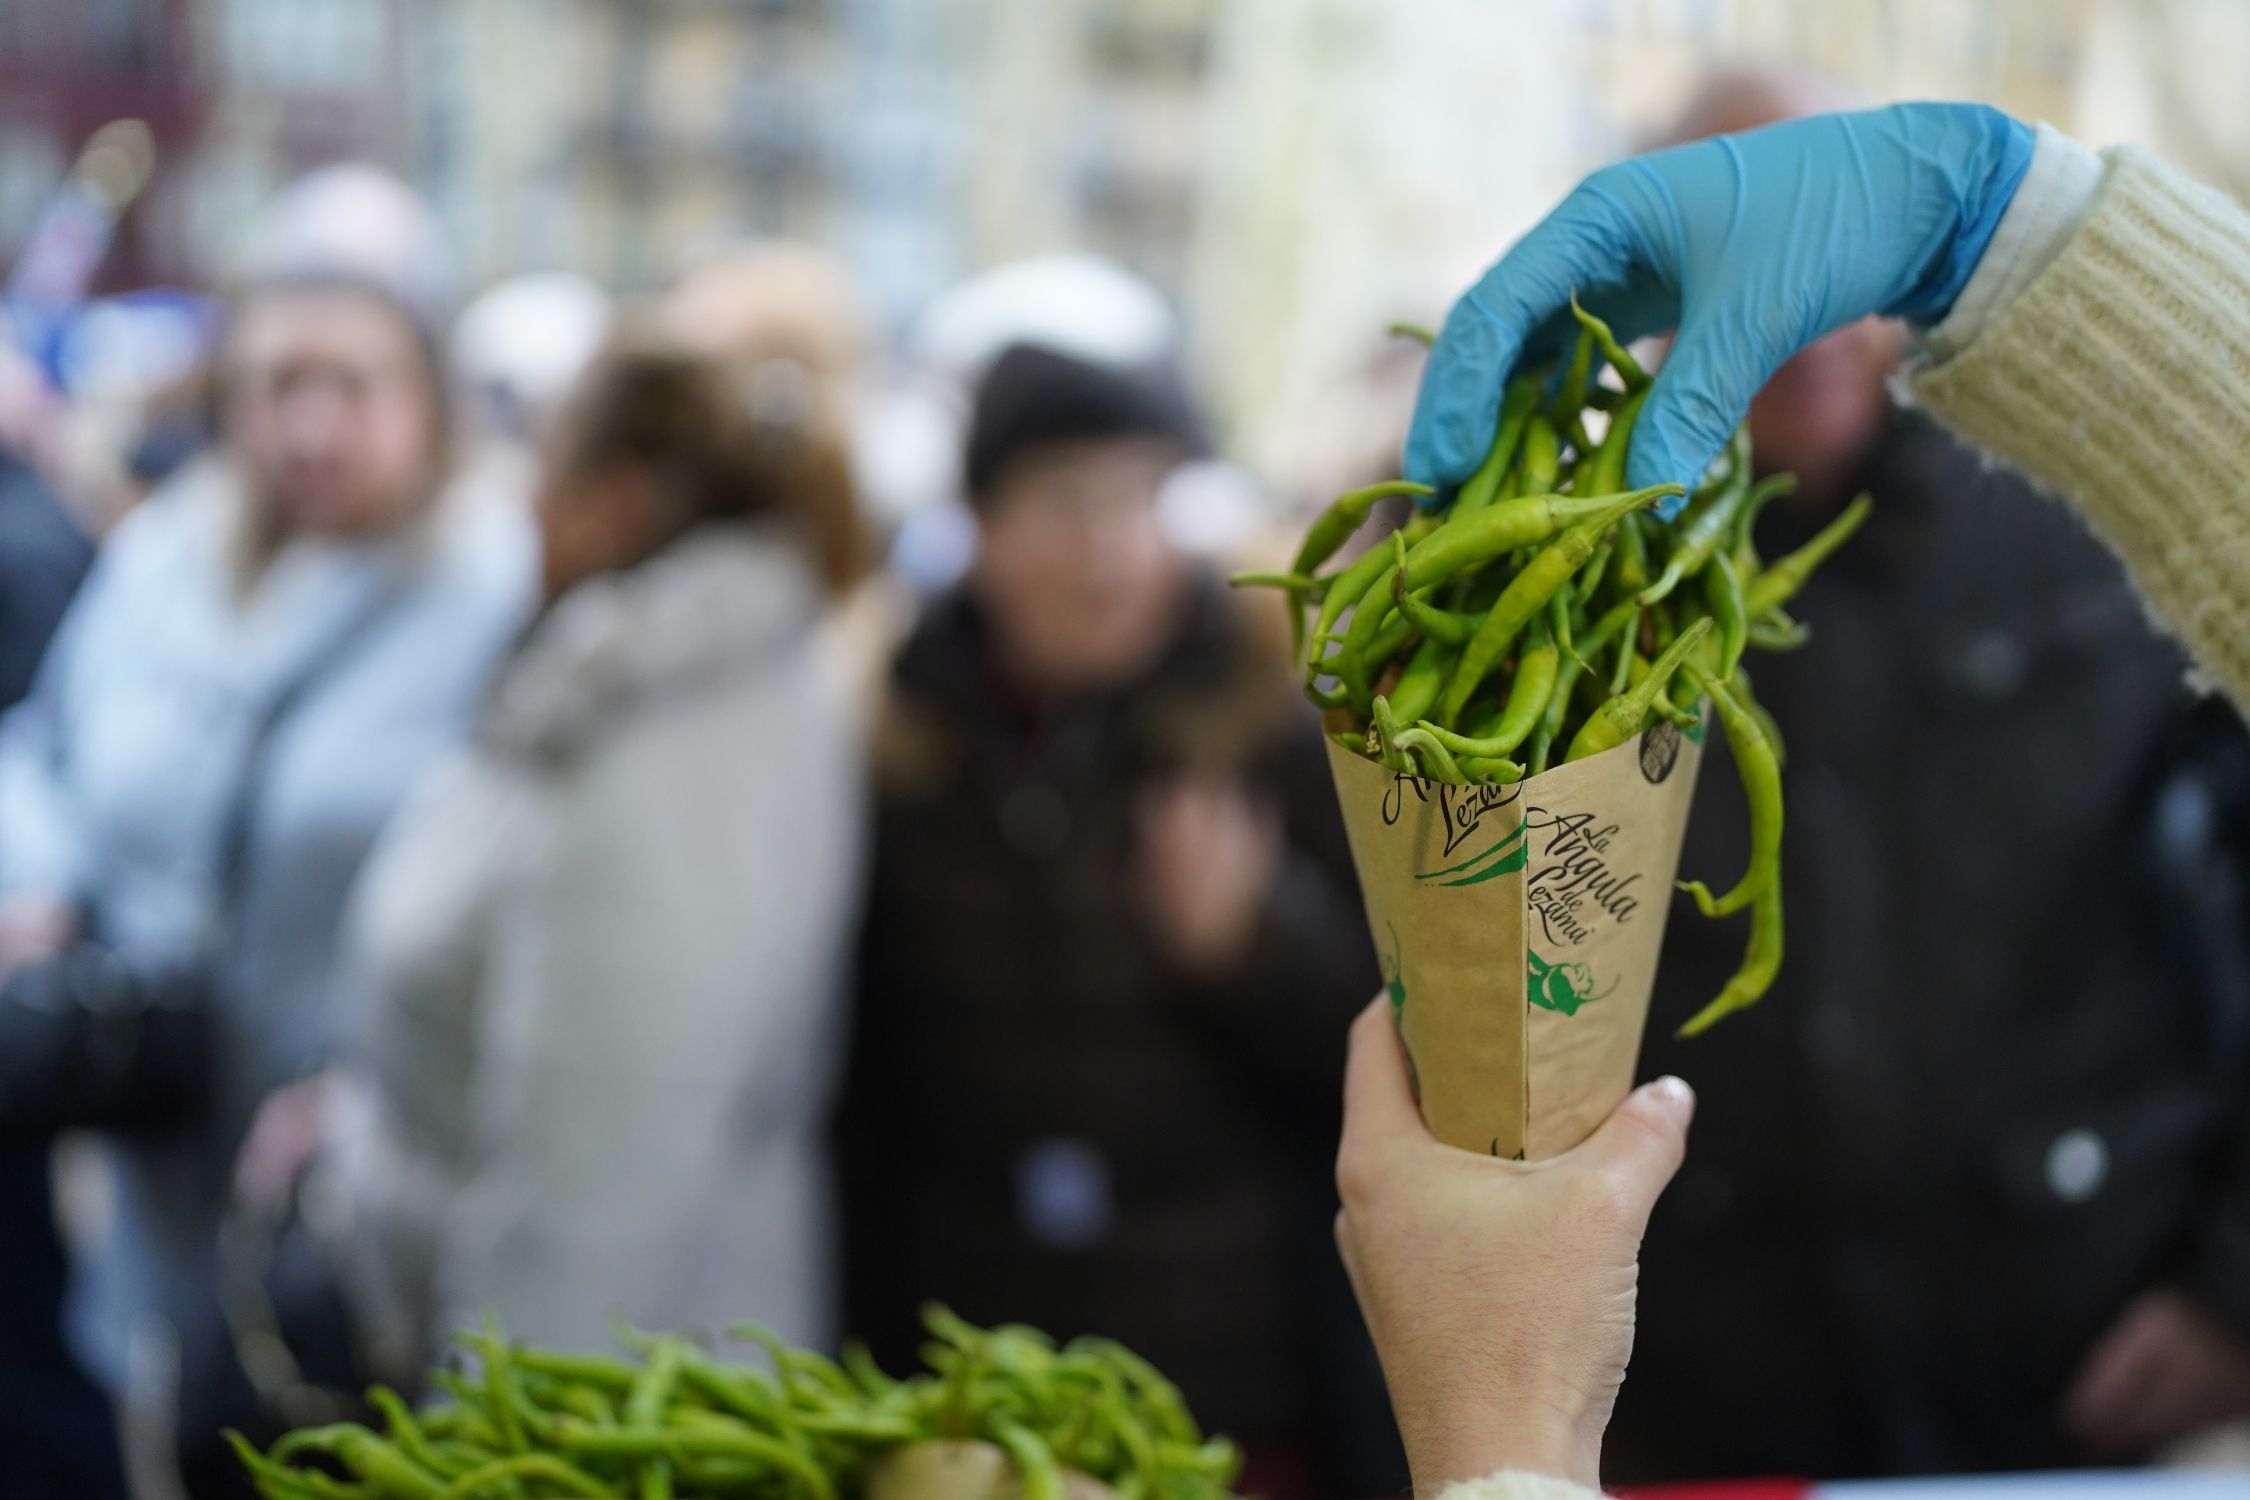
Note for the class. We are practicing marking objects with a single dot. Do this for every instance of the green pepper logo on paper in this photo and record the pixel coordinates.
(1559, 987)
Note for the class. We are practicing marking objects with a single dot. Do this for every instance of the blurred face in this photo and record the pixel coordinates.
(330, 413)
(1074, 568)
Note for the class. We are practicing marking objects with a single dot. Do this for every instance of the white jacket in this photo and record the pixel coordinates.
(598, 967)
(118, 773)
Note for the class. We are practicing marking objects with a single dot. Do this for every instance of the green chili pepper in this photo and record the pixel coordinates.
(1604, 469)
(1168, 1411)
(1431, 757)
(1527, 594)
(412, 1441)
(1299, 585)
(276, 1482)
(1570, 397)
(673, 1444)
(861, 1363)
(1761, 960)
(1561, 628)
(1350, 584)
(1328, 532)
(1345, 514)
(585, 1369)
(866, 1427)
(1632, 557)
(1388, 642)
(519, 1421)
(1542, 456)
(1621, 675)
(644, 1406)
(467, 1418)
(1481, 488)
(1770, 637)
(1766, 721)
(1744, 540)
(1386, 736)
(1569, 671)
(1624, 615)
(500, 1476)
(1700, 531)
(1722, 595)
(1625, 714)
(369, 1458)
(1434, 623)
(1628, 368)
(1499, 530)
(1761, 784)
(1779, 583)
(1661, 705)
(1422, 335)
(1035, 1464)
(1536, 666)
(1589, 581)
(1424, 678)
(1490, 770)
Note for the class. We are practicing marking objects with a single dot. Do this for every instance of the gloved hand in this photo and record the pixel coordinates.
(1751, 246)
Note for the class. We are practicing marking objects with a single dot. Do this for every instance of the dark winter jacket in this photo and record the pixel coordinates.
(1048, 1122)
(56, 1436)
(2003, 1084)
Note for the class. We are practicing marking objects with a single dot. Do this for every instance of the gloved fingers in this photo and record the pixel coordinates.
(1518, 309)
(1701, 394)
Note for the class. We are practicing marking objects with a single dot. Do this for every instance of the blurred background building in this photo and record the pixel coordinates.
(1295, 171)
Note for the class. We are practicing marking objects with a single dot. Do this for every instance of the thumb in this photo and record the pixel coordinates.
(1644, 1140)
(1700, 395)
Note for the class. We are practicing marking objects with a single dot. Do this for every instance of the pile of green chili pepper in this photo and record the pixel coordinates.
(675, 1422)
(1546, 613)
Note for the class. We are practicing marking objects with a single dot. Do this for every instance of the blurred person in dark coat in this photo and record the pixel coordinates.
(1113, 941)
(1971, 1188)
(56, 1433)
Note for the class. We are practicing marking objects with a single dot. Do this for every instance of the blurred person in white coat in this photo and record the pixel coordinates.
(596, 961)
(265, 654)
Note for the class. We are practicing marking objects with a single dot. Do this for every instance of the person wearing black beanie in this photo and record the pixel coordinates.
(1033, 396)
(1113, 940)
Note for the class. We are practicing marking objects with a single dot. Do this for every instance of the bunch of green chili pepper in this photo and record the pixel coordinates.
(1546, 613)
(675, 1422)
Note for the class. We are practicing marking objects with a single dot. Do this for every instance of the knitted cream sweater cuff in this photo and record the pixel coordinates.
(1516, 1484)
(2049, 205)
(2120, 377)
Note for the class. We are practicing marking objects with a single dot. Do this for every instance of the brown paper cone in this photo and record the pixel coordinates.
(1519, 928)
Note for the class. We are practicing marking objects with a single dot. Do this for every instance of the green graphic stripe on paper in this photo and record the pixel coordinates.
(1508, 855)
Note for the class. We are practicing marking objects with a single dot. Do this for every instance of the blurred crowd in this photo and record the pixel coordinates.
(527, 809)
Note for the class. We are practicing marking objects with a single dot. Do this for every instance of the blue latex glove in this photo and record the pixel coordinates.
(1751, 245)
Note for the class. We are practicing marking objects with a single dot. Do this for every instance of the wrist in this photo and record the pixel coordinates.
(1535, 1436)
(2047, 209)
(1981, 154)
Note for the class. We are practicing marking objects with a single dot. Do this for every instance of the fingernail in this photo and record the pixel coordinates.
(1674, 1097)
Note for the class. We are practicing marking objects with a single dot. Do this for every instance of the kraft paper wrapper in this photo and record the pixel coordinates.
(1519, 928)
